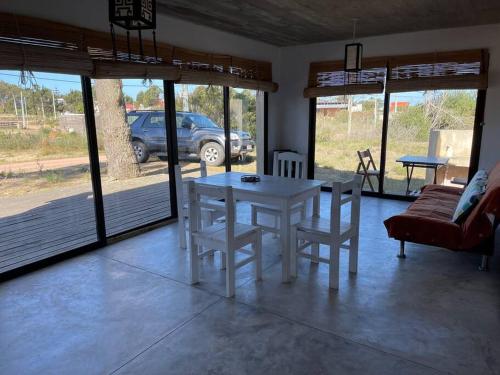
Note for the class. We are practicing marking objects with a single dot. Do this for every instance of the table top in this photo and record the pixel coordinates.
(281, 187)
(423, 160)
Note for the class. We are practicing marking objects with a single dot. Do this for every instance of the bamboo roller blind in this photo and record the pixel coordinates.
(36, 44)
(440, 70)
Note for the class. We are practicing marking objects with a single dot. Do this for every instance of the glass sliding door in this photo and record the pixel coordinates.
(131, 133)
(246, 109)
(46, 199)
(437, 123)
(200, 126)
(344, 126)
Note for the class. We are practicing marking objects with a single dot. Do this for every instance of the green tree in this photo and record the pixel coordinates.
(149, 98)
(73, 102)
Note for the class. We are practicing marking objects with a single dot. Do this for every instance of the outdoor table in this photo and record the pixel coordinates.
(429, 162)
(281, 192)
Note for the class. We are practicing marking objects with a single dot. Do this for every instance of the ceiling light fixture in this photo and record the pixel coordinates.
(133, 15)
(353, 52)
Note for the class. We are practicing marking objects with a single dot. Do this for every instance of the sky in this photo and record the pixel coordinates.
(64, 82)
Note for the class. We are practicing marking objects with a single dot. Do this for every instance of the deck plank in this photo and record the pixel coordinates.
(63, 224)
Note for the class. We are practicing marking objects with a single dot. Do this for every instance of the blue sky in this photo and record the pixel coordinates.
(64, 83)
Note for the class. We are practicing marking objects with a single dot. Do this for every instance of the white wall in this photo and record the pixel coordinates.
(294, 108)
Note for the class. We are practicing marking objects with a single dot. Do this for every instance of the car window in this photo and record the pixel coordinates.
(132, 118)
(155, 121)
(178, 119)
(203, 121)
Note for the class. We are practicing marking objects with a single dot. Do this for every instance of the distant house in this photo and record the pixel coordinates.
(330, 106)
(396, 106)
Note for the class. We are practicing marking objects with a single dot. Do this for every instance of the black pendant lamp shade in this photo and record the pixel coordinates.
(353, 52)
(133, 14)
(353, 57)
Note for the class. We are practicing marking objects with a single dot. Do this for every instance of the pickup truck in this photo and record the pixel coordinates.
(197, 136)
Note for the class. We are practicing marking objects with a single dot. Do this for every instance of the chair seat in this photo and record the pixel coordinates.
(217, 232)
(217, 210)
(370, 173)
(321, 226)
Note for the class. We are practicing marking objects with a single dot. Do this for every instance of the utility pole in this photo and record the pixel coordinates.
(375, 111)
(54, 104)
(23, 110)
(349, 115)
(15, 104)
(43, 110)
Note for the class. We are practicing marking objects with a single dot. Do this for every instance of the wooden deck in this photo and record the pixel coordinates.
(63, 224)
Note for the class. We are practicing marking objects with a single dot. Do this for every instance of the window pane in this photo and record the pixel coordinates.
(246, 127)
(130, 122)
(435, 123)
(46, 200)
(344, 126)
(200, 126)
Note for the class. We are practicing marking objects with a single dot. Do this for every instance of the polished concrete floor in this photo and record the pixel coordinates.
(128, 309)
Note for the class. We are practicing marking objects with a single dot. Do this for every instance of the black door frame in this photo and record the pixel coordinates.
(475, 148)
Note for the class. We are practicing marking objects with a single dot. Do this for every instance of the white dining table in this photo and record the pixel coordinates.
(280, 192)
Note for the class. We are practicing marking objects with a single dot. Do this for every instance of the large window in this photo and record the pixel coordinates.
(46, 199)
(434, 126)
(245, 108)
(435, 123)
(344, 126)
(131, 133)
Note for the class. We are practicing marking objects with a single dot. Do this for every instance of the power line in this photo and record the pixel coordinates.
(63, 80)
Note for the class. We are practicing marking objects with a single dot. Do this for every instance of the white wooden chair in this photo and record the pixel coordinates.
(229, 237)
(208, 216)
(285, 164)
(333, 232)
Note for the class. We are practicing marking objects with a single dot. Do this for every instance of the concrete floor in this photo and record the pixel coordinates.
(128, 309)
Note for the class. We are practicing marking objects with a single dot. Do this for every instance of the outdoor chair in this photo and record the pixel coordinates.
(367, 168)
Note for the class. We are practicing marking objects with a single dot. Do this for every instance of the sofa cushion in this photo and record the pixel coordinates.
(471, 196)
(428, 219)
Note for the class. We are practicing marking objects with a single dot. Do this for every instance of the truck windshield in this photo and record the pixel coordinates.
(203, 121)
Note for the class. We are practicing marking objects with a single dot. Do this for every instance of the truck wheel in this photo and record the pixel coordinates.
(141, 152)
(213, 154)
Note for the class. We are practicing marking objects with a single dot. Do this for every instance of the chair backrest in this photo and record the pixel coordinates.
(203, 196)
(289, 164)
(181, 188)
(366, 161)
(339, 188)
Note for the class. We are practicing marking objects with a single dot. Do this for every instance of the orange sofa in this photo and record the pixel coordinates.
(429, 220)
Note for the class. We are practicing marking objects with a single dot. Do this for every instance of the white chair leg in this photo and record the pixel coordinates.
(293, 251)
(334, 265)
(353, 253)
(230, 273)
(276, 221)
(222, 260)
(254, 216)
(194, 263)
(210, 221)
(257, 248)
(315, 252)
(182, 231)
